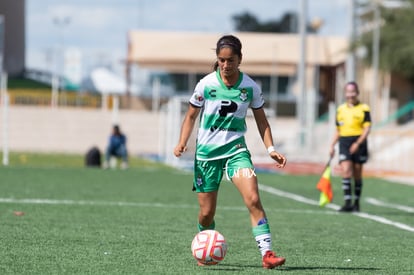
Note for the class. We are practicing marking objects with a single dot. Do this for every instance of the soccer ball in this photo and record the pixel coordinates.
(209, 247)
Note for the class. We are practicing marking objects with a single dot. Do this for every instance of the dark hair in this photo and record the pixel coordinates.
(117, 130)
(228, 41)
(353, 83)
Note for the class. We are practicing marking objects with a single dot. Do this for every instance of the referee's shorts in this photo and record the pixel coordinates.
(360, 156)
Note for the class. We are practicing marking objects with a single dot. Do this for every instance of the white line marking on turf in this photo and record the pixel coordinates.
(96, 203)
(137, 204)
(265, 188)
(299, 198)
(390, 205)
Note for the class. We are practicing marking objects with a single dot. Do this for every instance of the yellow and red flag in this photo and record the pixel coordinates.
(324, 185)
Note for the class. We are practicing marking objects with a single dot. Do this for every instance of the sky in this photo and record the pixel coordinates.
(98, 28)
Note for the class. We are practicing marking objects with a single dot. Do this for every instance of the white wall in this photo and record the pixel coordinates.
(73, 130)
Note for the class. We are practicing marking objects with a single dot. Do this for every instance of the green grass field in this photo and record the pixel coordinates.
(142, 220)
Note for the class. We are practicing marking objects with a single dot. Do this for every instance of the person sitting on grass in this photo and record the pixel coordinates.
(116, 148)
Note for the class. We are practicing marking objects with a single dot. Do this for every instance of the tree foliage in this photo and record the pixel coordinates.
(288, 23)
(396, 48)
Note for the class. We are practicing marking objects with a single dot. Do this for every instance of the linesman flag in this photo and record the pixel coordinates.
(324, 185)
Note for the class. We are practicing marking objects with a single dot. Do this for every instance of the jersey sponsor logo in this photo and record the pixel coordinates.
(198, 98)
(227, 106)
(216, 128)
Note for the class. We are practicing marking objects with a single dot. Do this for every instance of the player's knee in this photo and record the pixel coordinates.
(253, 201)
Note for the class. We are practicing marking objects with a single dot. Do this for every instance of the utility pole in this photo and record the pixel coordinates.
(350, 62)
(60, 23)
(301, 104)
(375, 55)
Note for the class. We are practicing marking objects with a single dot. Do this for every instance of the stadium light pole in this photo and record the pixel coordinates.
(60, 23)
(375, 54)
(350, 68)
(4, 97)
(1, 42)
(313, 94)
(301, 103)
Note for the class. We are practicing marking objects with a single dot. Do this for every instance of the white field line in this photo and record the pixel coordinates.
(135, 204)
(390, 205)
(93, 203)
(298, 198)
(265, 188)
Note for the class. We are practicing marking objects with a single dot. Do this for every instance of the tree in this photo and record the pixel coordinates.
(396, 51)
(247, 22)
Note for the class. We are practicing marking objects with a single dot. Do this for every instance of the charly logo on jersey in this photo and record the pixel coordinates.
(243, 94)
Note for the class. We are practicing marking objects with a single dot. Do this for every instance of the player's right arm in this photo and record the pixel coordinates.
(186, 129)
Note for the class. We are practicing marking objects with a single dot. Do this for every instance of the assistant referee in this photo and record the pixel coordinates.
(353, 125)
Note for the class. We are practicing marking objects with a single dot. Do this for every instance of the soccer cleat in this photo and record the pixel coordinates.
(346, 208)
(270, 260)
(203, 264)
(355, 208)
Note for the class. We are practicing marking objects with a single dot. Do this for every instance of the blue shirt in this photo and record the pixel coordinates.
(116, 141)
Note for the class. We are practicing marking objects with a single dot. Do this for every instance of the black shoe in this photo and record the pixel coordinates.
(356, 207)
(346, 208)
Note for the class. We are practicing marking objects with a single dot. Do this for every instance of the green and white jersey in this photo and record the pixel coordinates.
(222, 121)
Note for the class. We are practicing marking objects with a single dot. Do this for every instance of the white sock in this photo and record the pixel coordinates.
(264, 243)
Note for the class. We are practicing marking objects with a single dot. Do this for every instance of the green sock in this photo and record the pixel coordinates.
(261, 229)
(212, 226)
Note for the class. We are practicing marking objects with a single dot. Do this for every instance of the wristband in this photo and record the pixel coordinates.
(271, 149)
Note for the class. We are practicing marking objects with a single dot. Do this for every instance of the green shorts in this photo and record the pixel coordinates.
(208, 174)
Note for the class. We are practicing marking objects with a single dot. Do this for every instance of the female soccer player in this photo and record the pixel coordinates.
(223, 97)
(353, 124)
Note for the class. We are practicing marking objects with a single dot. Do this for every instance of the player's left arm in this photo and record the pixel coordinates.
(266, 134)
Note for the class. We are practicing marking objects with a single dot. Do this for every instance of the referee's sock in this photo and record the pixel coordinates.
(346, 186)
(357, 193)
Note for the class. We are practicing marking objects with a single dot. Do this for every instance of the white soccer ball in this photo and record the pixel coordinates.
(209, 247)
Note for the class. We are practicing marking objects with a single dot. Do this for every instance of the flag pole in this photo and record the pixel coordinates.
(324, 185)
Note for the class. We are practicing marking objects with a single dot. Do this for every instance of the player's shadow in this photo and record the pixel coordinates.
(241, 267)
(325, 268)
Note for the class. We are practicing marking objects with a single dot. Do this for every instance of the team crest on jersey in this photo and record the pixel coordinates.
(243, 94)
(199, 180)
